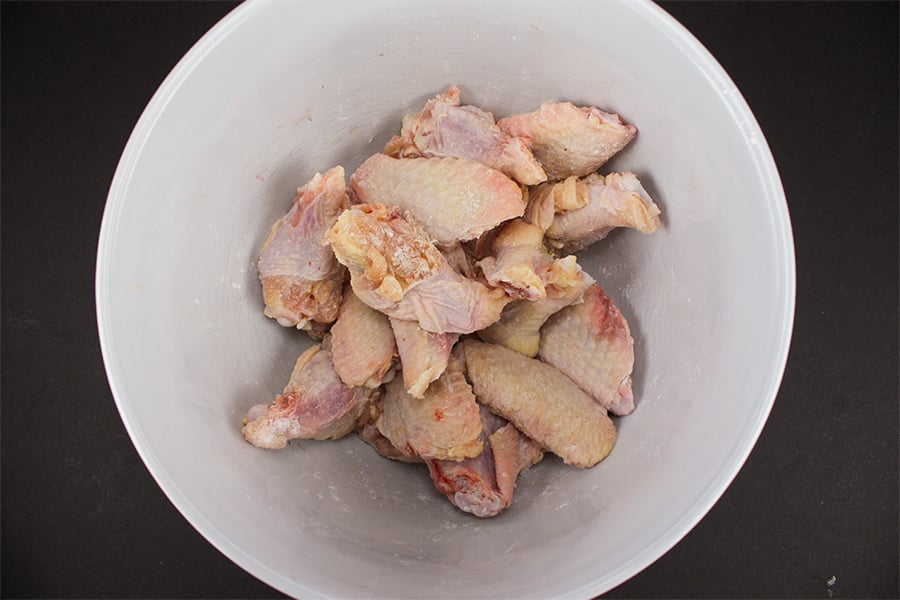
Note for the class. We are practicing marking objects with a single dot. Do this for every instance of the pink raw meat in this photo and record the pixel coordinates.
(453, 199)
(568, 140)
(591, 343)
(444, 129)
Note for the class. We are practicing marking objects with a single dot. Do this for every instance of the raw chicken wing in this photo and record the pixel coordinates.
(517, 257)
(423, 355)
(368, 432)
(520, 322)
(484, 485)
(315, 404)
(444, 425)
(568, 140)
(454, 199)
(544, 201)
(301, 280)
(362, 344)
(591, 343)
(444, 129)
(395, 269)
(617, 200)
(541, 402)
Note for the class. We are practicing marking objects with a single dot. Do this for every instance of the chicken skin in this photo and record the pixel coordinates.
(570, 140)
(592, 344)
(544, 201)
(444, 129)
(315, 404)
(444, 425)
(484, 485)
(395, 269)
(520, 322)
(541, 402)
(423, 355)
(456, 328)
(453, 199)
(368, 432)
(617, 200)
(301, 280)
(516, 260)
(362, 344)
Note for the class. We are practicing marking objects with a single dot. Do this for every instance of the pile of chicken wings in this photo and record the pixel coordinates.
(454, 325)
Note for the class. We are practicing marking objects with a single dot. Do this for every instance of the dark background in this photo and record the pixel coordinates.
(818, 498)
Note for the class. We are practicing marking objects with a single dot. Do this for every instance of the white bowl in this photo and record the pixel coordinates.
(279, 90)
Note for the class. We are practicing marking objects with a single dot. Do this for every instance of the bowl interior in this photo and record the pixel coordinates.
(280, 90)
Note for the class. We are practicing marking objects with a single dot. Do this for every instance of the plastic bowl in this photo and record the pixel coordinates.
(279, 90)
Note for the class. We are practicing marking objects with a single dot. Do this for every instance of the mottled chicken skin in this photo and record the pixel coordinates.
(570, 140)
(444, 129)
(541, 402)
(544, 201)
(484, 485)
(395, 269)
(453, 199)
(592, 344)
(603, 203)
(362, 344)
(444, 424)
(301, 279)
(315, 404)
(520, 322)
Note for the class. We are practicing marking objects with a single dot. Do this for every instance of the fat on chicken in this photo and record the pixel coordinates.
(315, 404)
(570, 140)
(301, 280)
(484, 485)
(517, 260)
(544, 201)
(520, 322)
(395, 269)
(444, 129)
(453, 199)
(592, 344)
(541, 402)
(362, 344)
(616, 200)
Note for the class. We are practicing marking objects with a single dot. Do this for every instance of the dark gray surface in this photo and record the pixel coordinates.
(818, 498)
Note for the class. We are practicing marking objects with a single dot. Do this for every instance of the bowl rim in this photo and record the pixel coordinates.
(767, 172)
